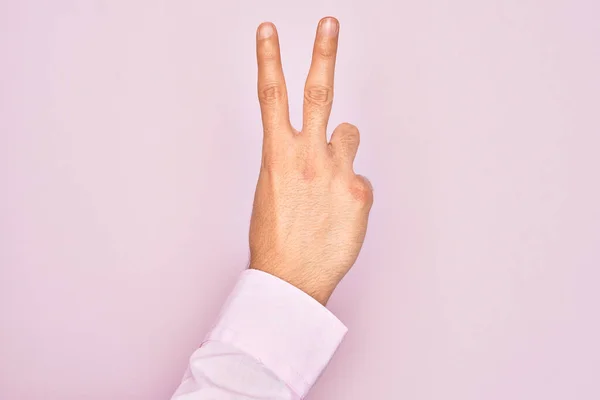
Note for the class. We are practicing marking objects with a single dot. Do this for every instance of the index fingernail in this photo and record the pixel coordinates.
(265, 31)
(328, 27)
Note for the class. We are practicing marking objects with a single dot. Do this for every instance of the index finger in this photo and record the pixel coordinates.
(272, 92)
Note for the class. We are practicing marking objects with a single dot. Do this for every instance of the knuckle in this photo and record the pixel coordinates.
(270, 93)
(270, 162)
(269, 55)
(348, 127)
(276, 156)
(308, 173)
(306, 166)
(362, 191)
(326, 49)
(351, 134)
(318, 95)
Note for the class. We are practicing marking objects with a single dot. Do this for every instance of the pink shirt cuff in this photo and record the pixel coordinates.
(282, 327)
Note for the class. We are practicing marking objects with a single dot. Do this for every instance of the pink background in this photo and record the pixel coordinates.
(129, 150)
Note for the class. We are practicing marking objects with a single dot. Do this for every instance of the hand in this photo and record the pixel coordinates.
(310, 209)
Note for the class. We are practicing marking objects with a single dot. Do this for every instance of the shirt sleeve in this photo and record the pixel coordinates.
(271, 341)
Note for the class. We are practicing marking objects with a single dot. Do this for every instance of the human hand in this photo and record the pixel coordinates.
(310, 209)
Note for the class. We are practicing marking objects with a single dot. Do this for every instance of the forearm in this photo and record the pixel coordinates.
(271, 341)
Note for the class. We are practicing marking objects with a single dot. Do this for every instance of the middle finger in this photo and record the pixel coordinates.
(318, 92)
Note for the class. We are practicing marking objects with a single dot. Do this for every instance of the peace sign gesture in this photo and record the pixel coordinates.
(310, 210)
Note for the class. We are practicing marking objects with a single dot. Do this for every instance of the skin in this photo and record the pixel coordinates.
(310, 209)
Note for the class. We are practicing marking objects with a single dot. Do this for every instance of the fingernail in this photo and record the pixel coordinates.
(328, 27)
(265, 30)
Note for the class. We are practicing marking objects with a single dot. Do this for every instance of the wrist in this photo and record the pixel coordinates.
(313, 286)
